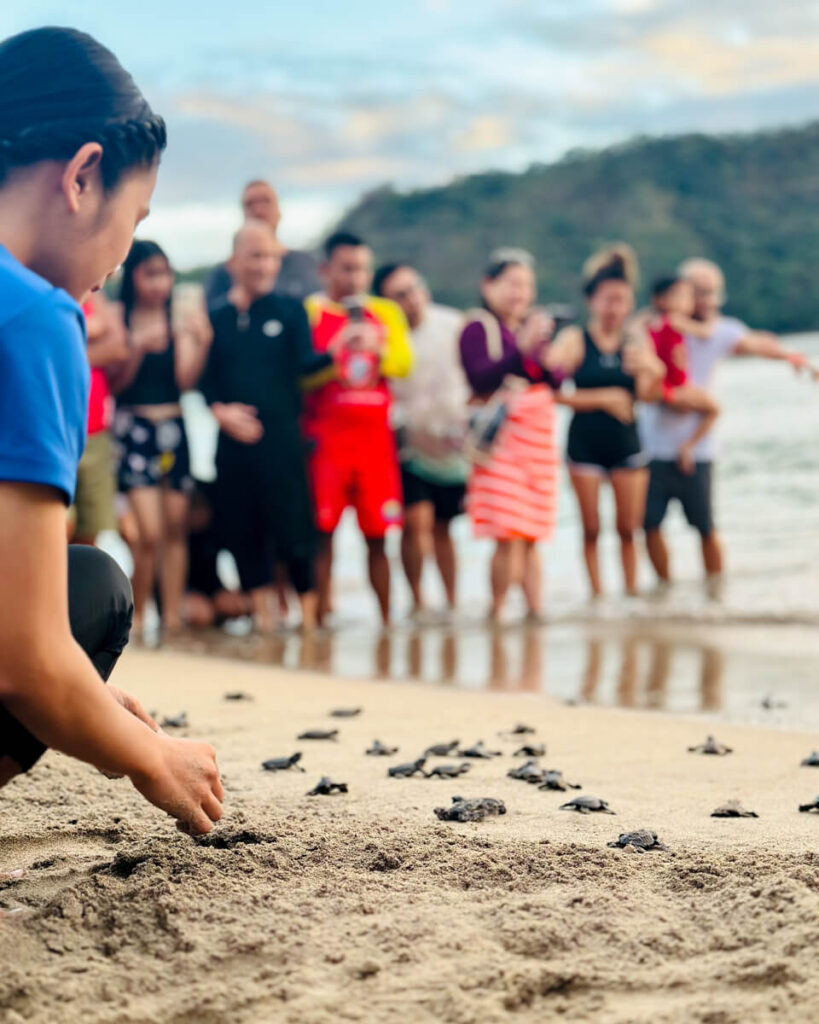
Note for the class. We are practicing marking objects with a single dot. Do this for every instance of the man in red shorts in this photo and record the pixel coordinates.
(354, 461)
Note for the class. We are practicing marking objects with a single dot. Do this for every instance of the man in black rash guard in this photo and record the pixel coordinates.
(262, 349)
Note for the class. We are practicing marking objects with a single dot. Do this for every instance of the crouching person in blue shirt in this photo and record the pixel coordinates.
(79, 150)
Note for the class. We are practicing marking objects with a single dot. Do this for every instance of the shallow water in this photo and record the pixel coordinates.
(710, 671)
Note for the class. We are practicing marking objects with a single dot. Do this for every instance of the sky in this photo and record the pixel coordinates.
(328, 99)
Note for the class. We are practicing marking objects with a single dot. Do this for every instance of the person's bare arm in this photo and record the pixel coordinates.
(49, 684)
(617, 402)
(640, 359)
(688, 325)
(192, 341)
(686, 460)
(765, 345)
(122, 373)
(566, 351)
(107, 337)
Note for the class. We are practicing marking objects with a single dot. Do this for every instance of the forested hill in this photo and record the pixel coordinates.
(751, 202)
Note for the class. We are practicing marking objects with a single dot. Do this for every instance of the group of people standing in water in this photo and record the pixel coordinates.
(336, 385)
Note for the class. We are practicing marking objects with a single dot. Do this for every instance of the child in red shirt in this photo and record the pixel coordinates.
(672, 300)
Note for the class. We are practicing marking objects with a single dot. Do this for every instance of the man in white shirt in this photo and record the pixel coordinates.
(428, 417)
(666, 430)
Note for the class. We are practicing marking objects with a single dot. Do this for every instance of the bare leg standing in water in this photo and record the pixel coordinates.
(324, 564)
(532, 581)
(629, 486)
(379, 571)
(416, 544)
(587, 488)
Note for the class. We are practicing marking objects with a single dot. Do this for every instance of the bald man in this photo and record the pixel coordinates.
(298, 274)
(665, 431)
(262, 349)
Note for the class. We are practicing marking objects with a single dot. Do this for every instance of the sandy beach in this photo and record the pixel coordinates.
(365, 907)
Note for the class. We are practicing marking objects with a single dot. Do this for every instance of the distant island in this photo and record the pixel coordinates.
(749, 202)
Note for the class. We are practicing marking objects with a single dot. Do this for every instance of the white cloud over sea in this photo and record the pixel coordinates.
(329, 99)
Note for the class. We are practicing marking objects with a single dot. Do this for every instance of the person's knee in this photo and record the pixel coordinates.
(441, 531)
(92, 572)
(625, 531)
(176, 531)
(147, 541)
(591, 533)
(376, 546)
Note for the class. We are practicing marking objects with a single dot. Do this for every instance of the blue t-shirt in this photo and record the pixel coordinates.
(44, 380)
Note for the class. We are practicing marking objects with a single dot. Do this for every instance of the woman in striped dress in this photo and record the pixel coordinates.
(512, 492)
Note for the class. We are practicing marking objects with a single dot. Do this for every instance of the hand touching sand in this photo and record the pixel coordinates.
(184, 782)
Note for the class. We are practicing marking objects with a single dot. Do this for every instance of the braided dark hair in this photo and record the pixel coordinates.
(60, 89)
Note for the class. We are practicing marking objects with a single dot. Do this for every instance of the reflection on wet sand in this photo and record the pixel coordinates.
(650, 688)
(632, 670)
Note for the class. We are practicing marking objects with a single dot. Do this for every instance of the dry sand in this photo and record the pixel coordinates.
(366, 908)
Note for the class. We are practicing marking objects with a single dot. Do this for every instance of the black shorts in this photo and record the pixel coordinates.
(601, 444)
(693, 491)
(100, 608)
(447, 499)
(151, 454)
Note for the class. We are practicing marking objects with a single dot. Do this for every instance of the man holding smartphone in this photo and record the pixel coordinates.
(354, 462)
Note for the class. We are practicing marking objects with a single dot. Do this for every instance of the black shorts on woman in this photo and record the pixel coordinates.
(152, 452)
(598, 442)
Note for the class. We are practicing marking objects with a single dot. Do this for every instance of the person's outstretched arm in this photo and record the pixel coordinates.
(765, 345)
(48, 683)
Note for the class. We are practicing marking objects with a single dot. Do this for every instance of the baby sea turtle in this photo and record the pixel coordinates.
(442, 749)
(553, 779)
(449, 771)
(531, 750)
(470, 810)
(318, 734)
(812, 806)
(282, 764)
(733, 809)
(640, 840)
(812, 760)
(770, 704)
(345, 712)
(711, 746)
(379, 750)
(238, 695)
(479, 750)
(586, 805)
(529, 771)
(325, 787)
(179, 721)
(406, 771)
(519, 730)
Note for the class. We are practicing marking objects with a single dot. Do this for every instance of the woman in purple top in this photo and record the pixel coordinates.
(512, 490)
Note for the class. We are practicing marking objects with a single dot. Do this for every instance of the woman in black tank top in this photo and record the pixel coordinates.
(611, 368)
(154, 464)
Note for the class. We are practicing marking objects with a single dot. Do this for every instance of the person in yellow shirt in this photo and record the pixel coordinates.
(353, 461)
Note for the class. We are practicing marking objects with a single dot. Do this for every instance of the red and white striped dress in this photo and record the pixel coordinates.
(514, 495)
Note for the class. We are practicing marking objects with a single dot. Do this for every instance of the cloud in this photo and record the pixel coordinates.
(497, 83)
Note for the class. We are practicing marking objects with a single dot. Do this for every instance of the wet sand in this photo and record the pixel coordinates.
(365, 907)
